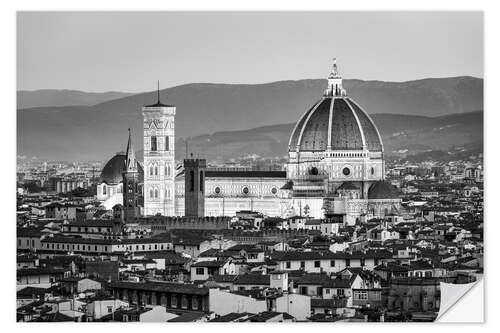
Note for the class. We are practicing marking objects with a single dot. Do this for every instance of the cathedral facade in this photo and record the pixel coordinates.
(335, 168)
(336, 158)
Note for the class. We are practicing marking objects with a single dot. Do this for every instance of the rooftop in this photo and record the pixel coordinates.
(181, 288)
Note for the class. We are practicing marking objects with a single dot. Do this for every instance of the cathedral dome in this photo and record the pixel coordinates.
(335, 123)
(112, 171)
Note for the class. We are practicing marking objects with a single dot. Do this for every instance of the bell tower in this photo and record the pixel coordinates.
(159, 158)
(130, 184)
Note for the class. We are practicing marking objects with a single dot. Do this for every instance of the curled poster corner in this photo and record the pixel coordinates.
(456, 306)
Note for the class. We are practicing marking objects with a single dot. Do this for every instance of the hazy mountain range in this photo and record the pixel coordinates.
(401, 135)
(52, 97)
(241, 117)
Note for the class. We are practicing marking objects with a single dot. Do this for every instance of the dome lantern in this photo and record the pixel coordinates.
(334, 87)
(335, 123)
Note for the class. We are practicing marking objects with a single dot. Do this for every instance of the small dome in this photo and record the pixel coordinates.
(335, 123)
(348, 186)
(114, 168)
(382, 190)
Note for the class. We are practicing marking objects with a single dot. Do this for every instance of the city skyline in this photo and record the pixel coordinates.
(84, 51)
(326, 200)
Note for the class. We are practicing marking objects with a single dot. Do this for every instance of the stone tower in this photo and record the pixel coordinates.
(159, 158)
(131, 191)
(194, 187)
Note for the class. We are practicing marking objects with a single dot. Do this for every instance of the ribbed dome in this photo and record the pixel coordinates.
(382, 190)
(112, 171)
(335, 123)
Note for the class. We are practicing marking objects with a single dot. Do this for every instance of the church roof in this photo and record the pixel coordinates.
(158, 103)
(335, 123)
(240, 174)
(382, 190)
(246, 174)
(348, 186)
(114, 168)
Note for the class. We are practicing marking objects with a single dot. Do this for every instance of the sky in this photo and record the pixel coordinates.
(130, 51)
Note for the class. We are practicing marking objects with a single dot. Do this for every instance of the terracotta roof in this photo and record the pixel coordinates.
(114, 168)
(231, 317)
(182, 288)
(257, 279)
(347, 186)
(209, 263)
(351, 127)
(328, 303)
(39, 271)
(245, 174)
(382, 190)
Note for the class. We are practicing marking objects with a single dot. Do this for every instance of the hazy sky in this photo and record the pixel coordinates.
(129, 51)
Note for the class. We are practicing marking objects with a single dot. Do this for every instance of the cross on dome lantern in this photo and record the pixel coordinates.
(334, 69)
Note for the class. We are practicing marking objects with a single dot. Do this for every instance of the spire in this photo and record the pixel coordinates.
(158, 92)
(130, 162)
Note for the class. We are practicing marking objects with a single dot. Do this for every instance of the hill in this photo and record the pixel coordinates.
(96, 132)
(53, 97)
(401, 135)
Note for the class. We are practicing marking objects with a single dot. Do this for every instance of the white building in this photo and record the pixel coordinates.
(159, 158)
(335, 167)
(336, 159)
(223, 302)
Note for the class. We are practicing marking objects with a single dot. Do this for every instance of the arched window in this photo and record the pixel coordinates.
(156, 193)
(156, 170)
(191, 180)
(104, 189)
(167, 144)
(151, 193)
(151, 170)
